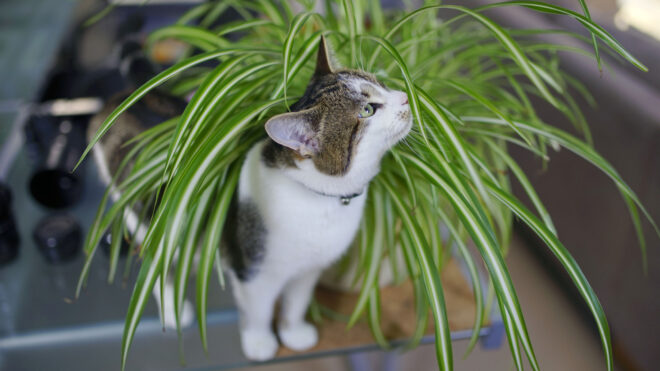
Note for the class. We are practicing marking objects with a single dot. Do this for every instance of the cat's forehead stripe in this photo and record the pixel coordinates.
(361, 75)
(343, 82)
(369, 90)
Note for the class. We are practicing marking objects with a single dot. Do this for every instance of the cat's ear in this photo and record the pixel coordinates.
(294, 130)
(323, 59)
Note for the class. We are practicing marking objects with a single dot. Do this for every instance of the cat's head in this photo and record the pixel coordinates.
(345, 121)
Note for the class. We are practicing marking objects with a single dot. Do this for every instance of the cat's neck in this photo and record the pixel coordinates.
(354, 182)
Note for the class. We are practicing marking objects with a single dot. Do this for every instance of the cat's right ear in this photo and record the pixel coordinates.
(294, 130)
(323, 59)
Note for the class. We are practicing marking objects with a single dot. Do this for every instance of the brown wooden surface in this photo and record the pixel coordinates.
(397, 313)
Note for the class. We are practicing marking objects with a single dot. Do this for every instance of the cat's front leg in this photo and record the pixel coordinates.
(255, 299)
(294, 331)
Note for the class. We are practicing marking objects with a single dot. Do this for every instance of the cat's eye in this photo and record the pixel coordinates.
(368, 110)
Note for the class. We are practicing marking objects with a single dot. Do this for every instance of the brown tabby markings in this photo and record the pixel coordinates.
(333, 108)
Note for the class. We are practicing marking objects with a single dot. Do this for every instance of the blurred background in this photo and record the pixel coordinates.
(56, 72)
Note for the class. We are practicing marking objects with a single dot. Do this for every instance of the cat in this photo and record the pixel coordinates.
(301, 196)
(300, 199)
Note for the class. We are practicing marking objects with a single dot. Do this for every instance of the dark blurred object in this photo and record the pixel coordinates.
(135, 67)
(106, 245)
(103, 82)
(56, 144)
(9, 240)
(102, 59)
(58, 237)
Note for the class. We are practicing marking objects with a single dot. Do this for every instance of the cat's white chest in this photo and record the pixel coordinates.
(312, 230)
(304, 230)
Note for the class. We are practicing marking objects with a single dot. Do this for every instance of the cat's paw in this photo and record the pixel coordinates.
(258, 345)
(187, 316)
(298, 337)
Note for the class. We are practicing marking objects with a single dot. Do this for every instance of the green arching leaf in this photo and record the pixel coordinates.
(362, 245)
(489, 251)
(377, 17)
(545, 76)
(195, 36)
(496, 135)
(192, 120)
(485, 168)
(186, 127)
(567, 262)
(146, 136)
(129, 193)
(141, 293)
(465, 89)
(194, 13)
(287, 48)
(585, 151)
(155, 148)
(99, 15)
(580, 88)
(243, 25)
(431, 282)
(422, 314)
(241, 7)
(352, 20)
(270, 10)
(232, 103)
(287, 10)
(391, 240)
(527, 186)
(210, 102)
(585, 21)
(513, 47)
(395, 28)
(512, 337)
(214, 11)
(406, 247)
(373, 316)
(429, 223)
(187, 250)
(373, 257)
(406, 176)
(210, 247)
(632, 209)
(475, 280)
(91, 240)
(115, 246)
(139, 173)
(192, 238)
(456, 141)
(308, 48)
(218, 269)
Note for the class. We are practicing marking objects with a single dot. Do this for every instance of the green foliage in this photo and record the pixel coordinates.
(470, 82)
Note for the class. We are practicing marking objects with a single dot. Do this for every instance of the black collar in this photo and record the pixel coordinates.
(344, 199)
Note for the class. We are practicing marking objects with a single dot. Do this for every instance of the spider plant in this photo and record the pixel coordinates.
(471, 84)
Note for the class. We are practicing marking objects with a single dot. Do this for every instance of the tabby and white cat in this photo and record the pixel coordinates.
(300, 199)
